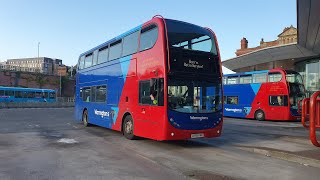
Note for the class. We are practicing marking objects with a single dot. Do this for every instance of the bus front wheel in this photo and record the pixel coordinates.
(128, 128)
(259, 115)
(85, 118)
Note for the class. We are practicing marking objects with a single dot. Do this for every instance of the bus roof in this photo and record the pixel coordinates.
(246, 73)
(112, 40)
(24, 89)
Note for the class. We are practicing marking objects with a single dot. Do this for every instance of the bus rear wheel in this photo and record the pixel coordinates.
(85, 118)
(259, 115)
(128, 128)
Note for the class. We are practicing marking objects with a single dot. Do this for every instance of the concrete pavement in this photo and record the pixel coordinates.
(48, 144)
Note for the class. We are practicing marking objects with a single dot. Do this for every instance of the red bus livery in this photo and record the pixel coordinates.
(271, 95)
(161, 80)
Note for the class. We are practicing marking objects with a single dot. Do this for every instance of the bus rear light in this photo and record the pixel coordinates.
(218, 131)
(172, 134)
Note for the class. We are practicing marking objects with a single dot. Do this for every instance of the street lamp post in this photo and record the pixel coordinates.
(60, 84)
(38, 48)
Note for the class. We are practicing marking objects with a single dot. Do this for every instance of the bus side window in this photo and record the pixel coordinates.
(161, 92)
(148, 37)
(144, 92)
(86, 94)
(52, 95)
(154, 91)
(81, 94)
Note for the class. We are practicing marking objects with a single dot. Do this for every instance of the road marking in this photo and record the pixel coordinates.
(67, 141)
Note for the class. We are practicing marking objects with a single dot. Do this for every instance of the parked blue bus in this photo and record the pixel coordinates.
(17, 94)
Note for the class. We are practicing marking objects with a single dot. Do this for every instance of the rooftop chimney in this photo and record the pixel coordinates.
(244, 43)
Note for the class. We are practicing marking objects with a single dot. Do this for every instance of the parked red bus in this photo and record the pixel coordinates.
(161, 80)
(263, 95)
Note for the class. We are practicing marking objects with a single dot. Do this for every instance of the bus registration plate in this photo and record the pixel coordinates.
(198, 135)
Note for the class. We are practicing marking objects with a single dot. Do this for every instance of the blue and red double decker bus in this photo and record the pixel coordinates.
(161, 80)
(263, 95)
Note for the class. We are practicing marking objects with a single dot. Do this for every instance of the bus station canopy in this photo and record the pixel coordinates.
(308, 46)
(290, 51)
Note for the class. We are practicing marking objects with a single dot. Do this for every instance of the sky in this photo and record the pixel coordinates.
(67, 28)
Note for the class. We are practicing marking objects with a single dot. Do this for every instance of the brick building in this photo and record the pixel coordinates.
(297, 49)
(288, 35)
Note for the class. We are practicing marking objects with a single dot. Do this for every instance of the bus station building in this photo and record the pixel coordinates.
(300, 52)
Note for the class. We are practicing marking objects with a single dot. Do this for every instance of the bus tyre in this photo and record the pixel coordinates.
(128, 128)
(85, 119)
(259, 115)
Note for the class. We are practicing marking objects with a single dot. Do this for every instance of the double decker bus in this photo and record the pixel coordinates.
(161, 80)
(18, 94)
(263, 95)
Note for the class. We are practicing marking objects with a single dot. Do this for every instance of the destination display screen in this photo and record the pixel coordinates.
(193, 63)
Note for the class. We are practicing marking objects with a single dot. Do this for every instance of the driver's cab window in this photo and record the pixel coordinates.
(151, 92)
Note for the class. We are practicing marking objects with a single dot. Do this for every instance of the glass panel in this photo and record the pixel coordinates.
(130, 44)
(278, 100)
(103, 55)
(86, 94)
(115, 50)
(81, 94)
(52, 95)
(274, 77)
(81, 63)
(312, 77)
(232, 80)
(9, 93)
(101, 93)
(224, 80)
(188, 36)
(30, 94)
(203, 43)
(232, 100)
(93, 94)
(88, 61)
(246, 79)
(38, 95)
(194, 96)
(294, 78)
(144, 92)
(259, 78)
(148, 37)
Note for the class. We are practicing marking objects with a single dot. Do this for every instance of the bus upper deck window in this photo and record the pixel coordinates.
(148, 37)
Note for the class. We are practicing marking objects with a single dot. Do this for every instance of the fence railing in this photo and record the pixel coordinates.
(311, 116)
(65, 99)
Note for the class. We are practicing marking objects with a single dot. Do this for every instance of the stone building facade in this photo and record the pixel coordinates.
(42, 65)
(288, 35)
